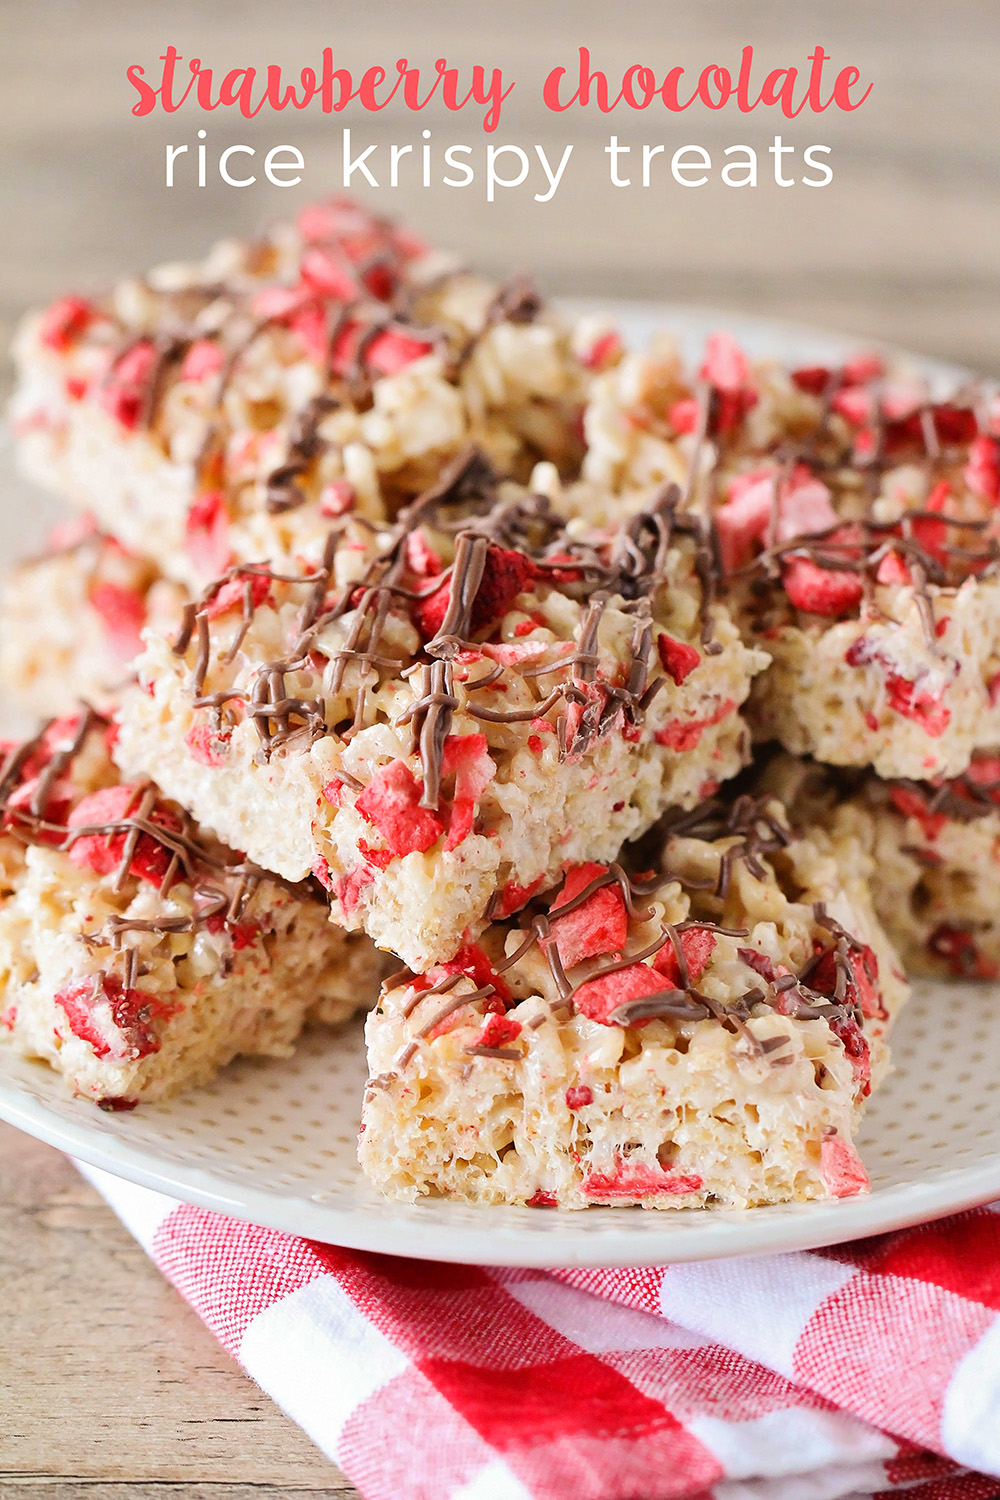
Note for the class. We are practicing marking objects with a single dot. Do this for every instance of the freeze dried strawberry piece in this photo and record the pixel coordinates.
(337, 498)
(123, 614)
(677, 657)
(320, 271)
(923, 708)
(685, 734)
(204, 358)
(507, 573)
(513, 897)
(855, 1045)
(348, 888)
(379, 859)
(683, 415)
(421, 558)
(862, 987)
(912, 805)
(805, 506)
(813, 379)
(759, 962)
(931, 535)
(102, 852)
(697, 945)
(123, 396)
(391, 803)
(541, 1199)
(604, 351)
(855, 404)
(725, 364)
(579, 1096)
(116, 1104)
(475, 964)
(497, 1031)
(862, 368)
(742, 522)
(984, 773)
(820, 591)
(467, 758)
(982, 471)
(8, 1018)
(241, 934)
(392, 351)
(64, 321)
(207, 533)
(841, 1168)
(954, 424)
(961, 952)
(113, 1020)
(599, 997)
(232, 594)
(600, 925)
(893, 569)
(208, 746)
(638, 1180)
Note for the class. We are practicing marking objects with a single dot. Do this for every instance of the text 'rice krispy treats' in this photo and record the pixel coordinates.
(858, 523)
(705, 1035)
(937, 849)
(71, 619)
(137, 956)
(223, 412)
(441, 716)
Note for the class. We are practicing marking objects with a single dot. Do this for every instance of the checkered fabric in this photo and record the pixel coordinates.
(860, 1370)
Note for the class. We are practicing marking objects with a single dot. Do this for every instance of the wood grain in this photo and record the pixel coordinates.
(109, 1386)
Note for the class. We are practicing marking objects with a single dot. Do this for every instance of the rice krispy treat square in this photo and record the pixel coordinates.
(704, 1035)
(448, 711)
(71, 619)
(936, 846)
(137, 955)
(857, 518)
(225, 411)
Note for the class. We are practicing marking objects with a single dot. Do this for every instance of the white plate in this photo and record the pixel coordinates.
(274, 1142)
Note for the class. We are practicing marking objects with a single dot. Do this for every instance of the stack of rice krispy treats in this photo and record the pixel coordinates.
(400, 615)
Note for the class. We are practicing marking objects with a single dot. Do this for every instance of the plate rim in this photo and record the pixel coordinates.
(714, 1234)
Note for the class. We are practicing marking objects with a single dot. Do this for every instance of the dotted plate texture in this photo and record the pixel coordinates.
(274, 1141)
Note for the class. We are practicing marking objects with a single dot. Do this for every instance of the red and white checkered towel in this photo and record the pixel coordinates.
(868, 1368)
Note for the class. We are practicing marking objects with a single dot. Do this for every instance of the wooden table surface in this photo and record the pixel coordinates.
(109, 1386)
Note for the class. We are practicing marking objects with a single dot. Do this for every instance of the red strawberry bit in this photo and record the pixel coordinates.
(923, 708)
(391, 803)
(982, 472)
(113, 1020)
(697, 945)
(541, 1199)
(507, 573)
(332, 791)
(474, 963)
(232, 593)
(604, 351)
(421, 558)
(931, 535)
(893, 569)
(65, 321)
(467, 758)
(984, 772)
(856, 405)
(58, 805)
(348, 887)
(759, 962)
(76, 388)
(309, 324)
(379, 859)
(813, 379)
(321, 870)
(513, 897)
(677, 657)
(993, 690)
(497, 1031)
(102, 852)
(683, 415)
(578, 1097)
(241, 934)
(203, 359)
(600, 925)
(871, 721)
(684, 734)
(116, 1104)
(841, 1168)
(805, 506)
(322, 274)
(863, 368)
(855, 1045)
(535, 744)
(124, 394)
(392, 351)
(912, 805)
(638, 1180)
(961, 952)
(599, 997)
(725, 364)
(954, 424)
(862, 989)
(331, 220)
(820, 591)
(208, 746)
(123, 614)
(207, 533)
(742, 522)
(8, 1018)
(337, 498)
(511, 653)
